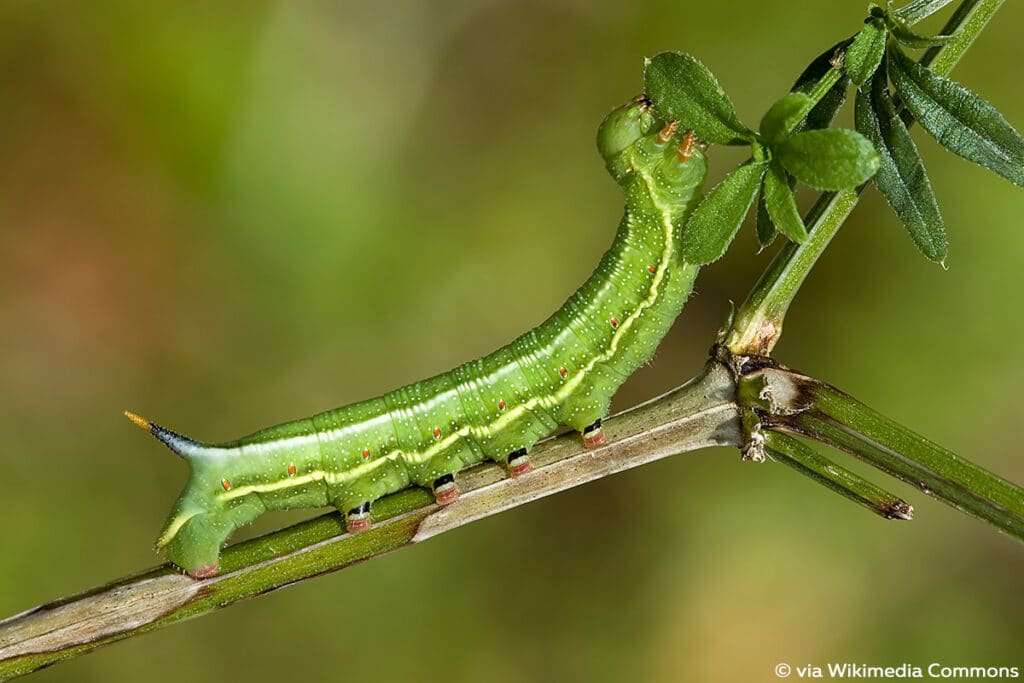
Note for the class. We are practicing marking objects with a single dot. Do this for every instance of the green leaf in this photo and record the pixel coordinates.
(912, 39)
(825, 111)
(684, 90)
(865, 54)
(784, 115)
(781, 204)
(715, 221)
(766, 232)
(901, 178)
(958, 119)
(829, 159)
(919, 9)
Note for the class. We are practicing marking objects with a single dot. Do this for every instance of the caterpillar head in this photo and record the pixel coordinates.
(673, 165)
(620, 130)
(632, 140)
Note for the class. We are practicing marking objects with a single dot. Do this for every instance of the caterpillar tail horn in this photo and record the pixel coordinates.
(181, 445)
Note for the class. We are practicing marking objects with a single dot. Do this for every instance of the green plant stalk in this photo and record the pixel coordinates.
(699, 414)
(788, 401)
(968, 490)
(792, 453)
(815, 95)
(758, 322)
(968, 21)
(936, 470)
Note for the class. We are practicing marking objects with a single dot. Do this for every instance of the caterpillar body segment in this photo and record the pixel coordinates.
(562, 372)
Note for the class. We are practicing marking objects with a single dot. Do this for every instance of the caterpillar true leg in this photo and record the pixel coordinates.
(358, 520)
(446, 491)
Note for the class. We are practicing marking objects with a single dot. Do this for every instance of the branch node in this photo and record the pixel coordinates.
(753, 441)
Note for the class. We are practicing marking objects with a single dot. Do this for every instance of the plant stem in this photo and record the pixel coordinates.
(934, 469)
(816, 94)
(757, 324)
(701, 413)
(951, 479)
(791, 452)
(966, 24)
(789, 401)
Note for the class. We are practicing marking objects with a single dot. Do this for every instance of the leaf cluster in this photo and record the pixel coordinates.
(955, 117)
(794, 142)
(782, 152)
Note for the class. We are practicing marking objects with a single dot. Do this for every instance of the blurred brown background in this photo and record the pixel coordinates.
(224, 216)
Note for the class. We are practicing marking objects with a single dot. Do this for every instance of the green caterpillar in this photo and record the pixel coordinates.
(562, 372)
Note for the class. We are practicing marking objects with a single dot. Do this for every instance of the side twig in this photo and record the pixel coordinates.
(791, 452)
(787, 401)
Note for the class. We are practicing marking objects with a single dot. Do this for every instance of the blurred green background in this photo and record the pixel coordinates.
(227, 215)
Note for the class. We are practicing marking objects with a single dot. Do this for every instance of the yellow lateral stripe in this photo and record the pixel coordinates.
(483, 431)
